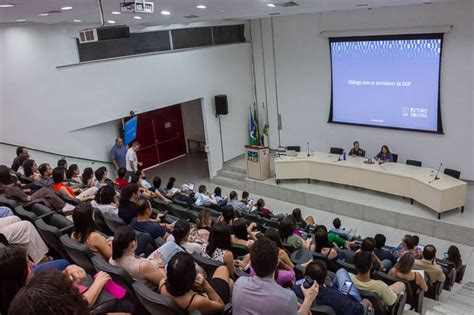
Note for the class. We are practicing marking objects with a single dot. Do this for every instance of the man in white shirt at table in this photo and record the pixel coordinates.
(132, 160)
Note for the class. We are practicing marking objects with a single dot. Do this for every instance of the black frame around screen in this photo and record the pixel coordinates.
(390, 37)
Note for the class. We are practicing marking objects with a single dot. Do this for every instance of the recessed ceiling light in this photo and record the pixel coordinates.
(77, 21)
(43, 14)
(164, 12)
(201, 6)
(116, 12)
(7, 5)
(271, 5)
(111, 21)
(137, 17)
(21, 20)
(66, 8)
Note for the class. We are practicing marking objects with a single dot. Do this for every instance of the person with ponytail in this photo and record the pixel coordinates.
(180, 235)
(124, 246)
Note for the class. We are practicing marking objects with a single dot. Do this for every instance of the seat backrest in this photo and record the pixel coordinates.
(179, 212)
(10, 203)
(100, 223)
(118, 274)
(395, 157)
(3, 240)
(270, 223)
(155, 303)
(322, 310)
(80, 254)
(334, 150)
(375, 300)
(159, 205)
(24, 214)
(63, 224)
(68, 199)
(51, 235)
(414, 163)
(239, 250)
(452, 173)
(113, 222)
(209, 265)
(170, 218)
(460, 273)
(349, 267)
(40, 210)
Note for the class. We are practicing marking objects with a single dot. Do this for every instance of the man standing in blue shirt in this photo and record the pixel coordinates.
(117, 154)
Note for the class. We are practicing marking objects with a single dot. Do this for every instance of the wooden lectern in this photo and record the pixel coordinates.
(257, 159)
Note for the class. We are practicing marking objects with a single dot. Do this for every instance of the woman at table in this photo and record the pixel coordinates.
(384, 155)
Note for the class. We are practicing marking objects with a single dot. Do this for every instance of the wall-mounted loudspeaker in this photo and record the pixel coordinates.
(222, 107)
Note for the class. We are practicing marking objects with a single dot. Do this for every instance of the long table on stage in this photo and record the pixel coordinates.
(408, 181)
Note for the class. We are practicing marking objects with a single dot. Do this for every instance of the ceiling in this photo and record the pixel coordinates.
(86, 11)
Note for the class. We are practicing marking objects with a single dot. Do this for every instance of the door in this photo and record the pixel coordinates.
(161, 135)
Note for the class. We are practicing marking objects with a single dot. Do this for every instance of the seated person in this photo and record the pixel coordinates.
(347, 234)
(5, 212)
(106, 201)
(221, 201)
(180, 235)
(157, 186)
(144, 192)
(30, 170)
(428, 264)
(228, 216)
(453, 256)
(59, 176)
(204, 198)
(384, 156)
(245, 198)
(62, 163)
(330, 295)
(18, 232)
(124, 246)
(144, 223)
(384, 255)
(46, 172)
(322, 245)
(121, 182)
(408, 243)
(238, 206)
(300, 223)
(356, 150)
(127, 203)
(73, 174)
(265, 212)
(142, 180)
(242, 234)
(204, 223)
(22, 155)
(362, 281)
(403, 269)
(219, 247)
(185, 286)
(184, 195)
(170, 185)
(85, 233)
(88, 177)
(368, 245)
(261, 294)
(290, 235)
(101, 177)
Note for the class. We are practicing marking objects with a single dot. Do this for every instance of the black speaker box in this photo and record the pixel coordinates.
(222, 107)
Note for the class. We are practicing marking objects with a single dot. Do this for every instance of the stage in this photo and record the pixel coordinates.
(357, 203)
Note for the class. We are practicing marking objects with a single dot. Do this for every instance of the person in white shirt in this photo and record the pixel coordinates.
(204, 198)
(132, 160)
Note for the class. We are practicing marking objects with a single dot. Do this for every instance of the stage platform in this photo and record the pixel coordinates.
(366, 205)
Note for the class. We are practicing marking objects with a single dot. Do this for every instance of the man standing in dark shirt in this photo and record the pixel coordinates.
(22, 155)
(331, 295)
(356, 150)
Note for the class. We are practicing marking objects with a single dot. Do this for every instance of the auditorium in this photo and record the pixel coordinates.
(250, 157)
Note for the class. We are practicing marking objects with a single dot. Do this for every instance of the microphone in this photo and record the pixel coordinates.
(437, 173)
(308, 148)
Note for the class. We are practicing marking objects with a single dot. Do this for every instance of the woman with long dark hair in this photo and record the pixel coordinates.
(105, 200)
(88, 177)
(322, 244)
(241, 234)
(219, 247)
(384, 156)
(127, 204)
(289, 234)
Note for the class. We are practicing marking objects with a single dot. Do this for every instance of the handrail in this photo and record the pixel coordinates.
(58, 154)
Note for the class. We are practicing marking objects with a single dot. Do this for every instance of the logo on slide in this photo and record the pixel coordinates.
(405, 111)
(419, 112)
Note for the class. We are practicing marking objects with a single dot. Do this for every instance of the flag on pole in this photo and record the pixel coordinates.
(253, 140)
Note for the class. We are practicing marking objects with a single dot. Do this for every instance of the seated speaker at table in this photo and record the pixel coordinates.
(384, 156)
(356, 150)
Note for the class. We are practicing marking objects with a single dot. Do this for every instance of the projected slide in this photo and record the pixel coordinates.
(387, 81)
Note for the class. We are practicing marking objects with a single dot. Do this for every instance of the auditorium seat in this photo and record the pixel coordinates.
(100, 224)
(379, 308)
(239, 250)
(414, 163)
(113, 222)
(51, 236)
(80, 254)
(334, 150)
(395, 158)
(207, 264)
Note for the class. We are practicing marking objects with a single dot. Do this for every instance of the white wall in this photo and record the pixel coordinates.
(303, 82)
(193, 123)
(57, 105)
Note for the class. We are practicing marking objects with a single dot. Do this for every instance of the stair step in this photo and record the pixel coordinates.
(234, 169)
(228, 182)
(231, 174)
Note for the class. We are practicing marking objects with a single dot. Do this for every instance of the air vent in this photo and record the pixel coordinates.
(362, 5)
(54, 12)
(274, 13)
(288, 4)
(191, 16)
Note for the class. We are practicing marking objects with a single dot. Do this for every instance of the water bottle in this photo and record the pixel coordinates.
(344, 156)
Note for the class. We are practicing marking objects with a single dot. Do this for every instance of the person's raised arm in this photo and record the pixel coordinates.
(309, 296)
(94, 290)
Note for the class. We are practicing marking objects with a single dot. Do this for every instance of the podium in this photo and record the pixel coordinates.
(257, 159)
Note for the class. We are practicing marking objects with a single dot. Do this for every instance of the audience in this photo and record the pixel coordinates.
(261, 210)
(323, 246)
(428, 264)
(22, 155)
(121, 182)
(184, 194)
(30, 170)
(170, 185)
(330, 294)
(157, 186)
(362, 281)
(204, 198)
(453, 256)
(88, 177)
(241, 234)
(228, 215)
(383, 255)
(59, 176)
(221, 201)
(261, 294)
(180, 235)
(101, 177)
(127, 203)
(46, 172)
(124, 246)
(289, 234)
(300, 223)
(204, 223)
(73, 174)
(347, 234)
(185, 286)
(368, 245)
(219, 246)
(144, 223)
(409, 245)
(245, 199)
(106, 200)
(238, 206)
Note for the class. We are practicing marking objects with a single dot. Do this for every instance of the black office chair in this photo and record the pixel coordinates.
(80, 254)
(414, 163)
(113, 222)
(209, 265)
(156, 303)
(239, 250)
(337, 151)
(51, 236)
(295, 148)
(452, 173)
(395, 157)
